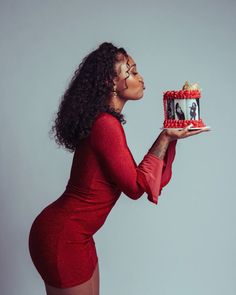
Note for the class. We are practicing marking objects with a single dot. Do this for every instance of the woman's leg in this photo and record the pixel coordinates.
(96, 280)
(90, 287)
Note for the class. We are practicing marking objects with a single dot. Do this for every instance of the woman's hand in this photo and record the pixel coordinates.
(161, 144)
(172, 134)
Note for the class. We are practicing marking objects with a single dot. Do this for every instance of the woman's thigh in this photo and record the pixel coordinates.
(90, 287)
(96, 280)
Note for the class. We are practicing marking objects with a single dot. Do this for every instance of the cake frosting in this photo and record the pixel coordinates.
(182, 107)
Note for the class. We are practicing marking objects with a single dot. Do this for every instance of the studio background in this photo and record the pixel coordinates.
(184, 245)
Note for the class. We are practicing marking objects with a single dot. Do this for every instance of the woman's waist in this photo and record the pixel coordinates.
(92, 190)
(83, 207)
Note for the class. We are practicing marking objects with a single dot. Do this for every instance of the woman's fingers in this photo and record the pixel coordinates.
(188, 132)
(182, 133)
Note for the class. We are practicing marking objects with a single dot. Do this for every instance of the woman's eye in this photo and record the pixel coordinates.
(135, 73)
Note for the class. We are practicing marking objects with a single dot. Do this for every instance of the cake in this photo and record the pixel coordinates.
(182, 107)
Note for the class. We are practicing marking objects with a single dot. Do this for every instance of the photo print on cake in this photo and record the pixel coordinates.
(180, 109)
(170, 109)
(192, 108)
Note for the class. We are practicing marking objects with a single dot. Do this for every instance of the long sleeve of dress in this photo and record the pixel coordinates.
(151, 175)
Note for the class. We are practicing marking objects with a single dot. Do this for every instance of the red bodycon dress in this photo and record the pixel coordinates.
(61, 241)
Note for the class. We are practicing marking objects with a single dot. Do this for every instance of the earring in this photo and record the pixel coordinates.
(114, 92)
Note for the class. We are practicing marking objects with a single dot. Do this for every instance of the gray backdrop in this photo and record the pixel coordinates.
(185, 244)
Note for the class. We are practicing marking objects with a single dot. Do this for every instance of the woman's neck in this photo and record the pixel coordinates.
(117, 103)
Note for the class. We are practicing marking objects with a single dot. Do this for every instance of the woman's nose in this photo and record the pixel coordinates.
(141, 79)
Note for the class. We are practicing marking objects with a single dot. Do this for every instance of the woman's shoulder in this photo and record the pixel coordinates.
(105, 124)
(107, 119)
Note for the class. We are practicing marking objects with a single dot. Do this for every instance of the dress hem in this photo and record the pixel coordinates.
(72, 284)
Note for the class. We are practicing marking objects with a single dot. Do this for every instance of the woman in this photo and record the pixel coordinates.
(179, 112)
(193, 112)
(89, 123)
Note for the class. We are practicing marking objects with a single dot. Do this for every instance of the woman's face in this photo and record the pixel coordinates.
(129, 84)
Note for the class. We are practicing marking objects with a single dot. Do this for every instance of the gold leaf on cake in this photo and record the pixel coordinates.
(193, 86)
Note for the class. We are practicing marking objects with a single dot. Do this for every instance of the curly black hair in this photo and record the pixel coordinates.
(87, 96)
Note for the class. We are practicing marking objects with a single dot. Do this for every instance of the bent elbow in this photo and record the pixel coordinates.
(134, 194)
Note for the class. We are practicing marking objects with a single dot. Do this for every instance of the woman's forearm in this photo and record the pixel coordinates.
(160, 146)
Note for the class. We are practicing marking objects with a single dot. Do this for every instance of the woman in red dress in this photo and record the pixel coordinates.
(89, 123)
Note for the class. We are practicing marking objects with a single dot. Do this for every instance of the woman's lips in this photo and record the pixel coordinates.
(143, 86)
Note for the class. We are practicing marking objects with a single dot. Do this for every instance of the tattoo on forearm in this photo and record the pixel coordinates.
(159, 148)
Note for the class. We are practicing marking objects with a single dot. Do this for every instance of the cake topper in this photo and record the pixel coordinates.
(193, 86)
